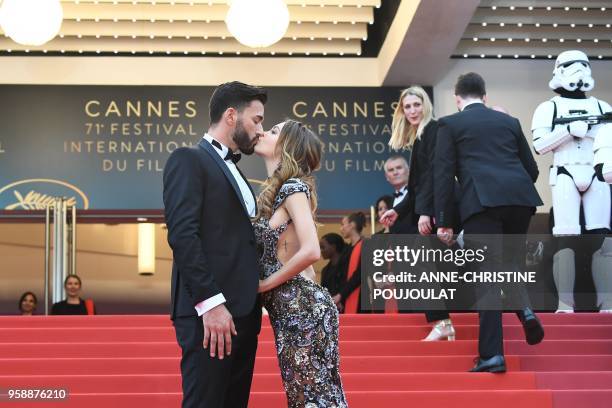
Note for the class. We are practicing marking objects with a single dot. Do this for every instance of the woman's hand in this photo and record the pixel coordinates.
(263, 286)
(425, 225)
(338, 301)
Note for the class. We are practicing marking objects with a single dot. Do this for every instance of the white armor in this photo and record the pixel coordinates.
(602, 265)
(564, 273)
(576, 150)
(602, 147)
(572, 72)
(572, 175)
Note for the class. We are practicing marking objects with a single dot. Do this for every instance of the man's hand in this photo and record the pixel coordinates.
(218, 330)
(445, 235)
(425, 225)
(337, 299)
(388, 218)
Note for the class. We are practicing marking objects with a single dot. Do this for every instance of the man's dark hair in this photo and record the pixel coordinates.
(359, 219)
(235, 95)
(335, 240)
(470, 85)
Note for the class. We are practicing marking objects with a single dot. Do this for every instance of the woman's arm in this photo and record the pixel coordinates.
(298, 207)
(424, 202)
(424, 194)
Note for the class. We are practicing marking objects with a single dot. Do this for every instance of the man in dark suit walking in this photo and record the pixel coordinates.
(208, 204)
(489, 156)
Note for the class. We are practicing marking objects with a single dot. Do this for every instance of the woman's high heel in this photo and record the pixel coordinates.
(443, 329)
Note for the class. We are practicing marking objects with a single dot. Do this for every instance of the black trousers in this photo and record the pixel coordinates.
(497, 220)
(212, 383)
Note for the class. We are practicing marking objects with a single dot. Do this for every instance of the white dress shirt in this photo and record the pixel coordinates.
(249, 201)
(402, 193)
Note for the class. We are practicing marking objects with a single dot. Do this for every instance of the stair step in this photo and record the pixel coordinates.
(267, 348)
(345, 320)
(379, 333)
(356, 399)
(582, 398)
(578, 380)
(171, 383)
(170, 365)
(566, 363)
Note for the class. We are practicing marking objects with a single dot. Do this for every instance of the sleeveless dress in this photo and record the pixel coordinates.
(305, 322)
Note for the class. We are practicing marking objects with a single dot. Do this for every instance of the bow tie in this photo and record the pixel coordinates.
(399, 193)
(234, 157)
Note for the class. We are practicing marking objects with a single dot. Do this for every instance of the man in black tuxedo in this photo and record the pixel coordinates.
(397, 174)
(208, 204)
(489, 156)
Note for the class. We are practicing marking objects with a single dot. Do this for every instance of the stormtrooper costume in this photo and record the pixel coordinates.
(577, 149)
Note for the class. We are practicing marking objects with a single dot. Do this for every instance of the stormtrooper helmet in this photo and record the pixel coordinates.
(572, 72)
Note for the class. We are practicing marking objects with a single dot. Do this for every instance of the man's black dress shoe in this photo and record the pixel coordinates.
(495, 364)
(534, 332)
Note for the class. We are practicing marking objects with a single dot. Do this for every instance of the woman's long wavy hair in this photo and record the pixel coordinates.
(300, 151)
(403, 135)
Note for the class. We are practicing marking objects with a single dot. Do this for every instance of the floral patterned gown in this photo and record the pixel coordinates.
(305, 323)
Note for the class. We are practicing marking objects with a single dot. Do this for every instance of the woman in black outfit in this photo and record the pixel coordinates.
(383, 204)
(414, 128)
(351, 229)
(73, 305)
(333, 274)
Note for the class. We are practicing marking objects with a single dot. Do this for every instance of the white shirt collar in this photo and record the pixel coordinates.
(403, 189)
(471, 103)
(224, 148)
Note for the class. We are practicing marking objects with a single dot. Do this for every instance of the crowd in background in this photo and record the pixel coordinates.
(409, 174)
(72, 305)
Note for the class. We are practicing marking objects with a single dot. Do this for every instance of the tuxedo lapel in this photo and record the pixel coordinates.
(208, 148)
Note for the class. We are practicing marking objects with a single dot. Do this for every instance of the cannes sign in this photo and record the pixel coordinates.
(38, 194)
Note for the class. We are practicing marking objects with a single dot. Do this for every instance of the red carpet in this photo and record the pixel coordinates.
(133, 361)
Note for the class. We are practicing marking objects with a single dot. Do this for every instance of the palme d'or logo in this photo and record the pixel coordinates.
(29, 198)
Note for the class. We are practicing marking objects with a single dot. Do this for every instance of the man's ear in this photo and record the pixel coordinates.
(230, 116)
(484, 98)
(458, 102)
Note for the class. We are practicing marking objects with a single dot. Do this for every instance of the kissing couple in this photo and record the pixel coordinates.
(235, 251)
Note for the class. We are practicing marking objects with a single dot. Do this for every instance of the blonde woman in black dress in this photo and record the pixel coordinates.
(415, 129)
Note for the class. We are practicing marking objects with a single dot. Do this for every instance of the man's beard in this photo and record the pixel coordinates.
(241, 138)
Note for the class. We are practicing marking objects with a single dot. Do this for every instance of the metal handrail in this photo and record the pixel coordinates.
(61, 267)
(73, 242)
(47, 257)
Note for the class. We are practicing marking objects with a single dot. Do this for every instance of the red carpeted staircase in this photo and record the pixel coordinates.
(133, 361)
